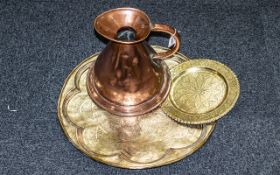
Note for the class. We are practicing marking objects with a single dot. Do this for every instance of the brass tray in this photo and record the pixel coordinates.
(128, 142)
(202, 91)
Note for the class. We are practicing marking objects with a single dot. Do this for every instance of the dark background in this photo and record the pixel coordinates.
(42, 41)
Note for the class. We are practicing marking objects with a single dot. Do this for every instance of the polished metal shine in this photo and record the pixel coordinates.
(129, 78)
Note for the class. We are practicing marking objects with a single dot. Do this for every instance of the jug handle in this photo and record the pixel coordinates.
(172, 32)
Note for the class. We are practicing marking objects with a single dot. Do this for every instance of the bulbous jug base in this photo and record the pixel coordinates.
(130, 110)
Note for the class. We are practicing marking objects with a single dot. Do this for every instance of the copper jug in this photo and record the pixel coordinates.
(129, 78)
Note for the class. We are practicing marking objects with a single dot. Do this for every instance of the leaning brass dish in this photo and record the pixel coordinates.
(202, 91)
(129, 142)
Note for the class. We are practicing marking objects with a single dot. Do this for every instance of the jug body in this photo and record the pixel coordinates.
(125, 81)
(127, 73)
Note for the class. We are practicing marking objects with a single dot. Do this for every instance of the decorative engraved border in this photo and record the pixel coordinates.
(79, 143)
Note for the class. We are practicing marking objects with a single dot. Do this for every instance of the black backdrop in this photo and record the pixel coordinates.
(42, 40)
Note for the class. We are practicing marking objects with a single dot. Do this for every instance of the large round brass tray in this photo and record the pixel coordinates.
(128, 142)
(202, 91)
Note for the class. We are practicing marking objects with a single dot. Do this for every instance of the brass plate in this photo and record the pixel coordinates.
(129, 142)
(202, 91)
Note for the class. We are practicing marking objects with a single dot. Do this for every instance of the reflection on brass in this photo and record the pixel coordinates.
(129, 78)
(202, 91)
(129, 142)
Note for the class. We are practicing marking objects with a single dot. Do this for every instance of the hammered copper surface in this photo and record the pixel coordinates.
(202, 91)
(126, 79)
(129, 142)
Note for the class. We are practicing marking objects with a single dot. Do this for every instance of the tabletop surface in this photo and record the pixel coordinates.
(41, 41)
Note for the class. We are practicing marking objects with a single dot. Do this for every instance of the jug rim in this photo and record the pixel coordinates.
(122, 9)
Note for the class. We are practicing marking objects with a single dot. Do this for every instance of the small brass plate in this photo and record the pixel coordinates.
(129, 142)
(202, 91)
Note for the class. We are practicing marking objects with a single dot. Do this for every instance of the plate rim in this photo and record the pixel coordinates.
(233, 92)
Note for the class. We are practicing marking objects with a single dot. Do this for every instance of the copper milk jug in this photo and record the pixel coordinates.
(129, 78)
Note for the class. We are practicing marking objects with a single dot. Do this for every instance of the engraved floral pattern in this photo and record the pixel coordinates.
(139, 139)
(198, 91)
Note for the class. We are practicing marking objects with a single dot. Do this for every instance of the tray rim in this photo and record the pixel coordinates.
(78, 147)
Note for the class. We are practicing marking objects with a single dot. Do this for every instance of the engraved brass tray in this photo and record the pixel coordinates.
(129, 142)
(202, 91)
